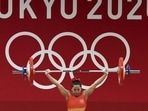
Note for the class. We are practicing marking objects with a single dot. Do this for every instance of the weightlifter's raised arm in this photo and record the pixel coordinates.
(62, 90)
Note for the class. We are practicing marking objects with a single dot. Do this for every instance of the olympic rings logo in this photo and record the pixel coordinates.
(52, 53)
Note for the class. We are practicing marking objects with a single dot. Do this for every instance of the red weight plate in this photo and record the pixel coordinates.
(121, 71)
(30, 71)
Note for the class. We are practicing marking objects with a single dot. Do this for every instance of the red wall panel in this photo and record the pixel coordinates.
(18, 94)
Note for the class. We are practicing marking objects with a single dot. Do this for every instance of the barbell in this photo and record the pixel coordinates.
(29, 71)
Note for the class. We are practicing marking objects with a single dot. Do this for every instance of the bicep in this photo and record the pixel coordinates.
(63, 91)
(89, 91)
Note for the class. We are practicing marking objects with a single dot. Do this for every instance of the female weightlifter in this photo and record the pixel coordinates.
(76, 98)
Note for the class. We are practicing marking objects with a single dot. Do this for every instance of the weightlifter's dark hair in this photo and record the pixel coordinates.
(76, 81)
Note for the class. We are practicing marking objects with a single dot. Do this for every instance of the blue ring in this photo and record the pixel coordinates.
(23, 72)
(128, 70)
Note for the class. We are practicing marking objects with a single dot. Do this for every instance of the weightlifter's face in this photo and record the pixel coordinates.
(76, 90)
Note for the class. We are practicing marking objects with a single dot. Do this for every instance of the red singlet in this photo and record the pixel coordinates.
(76, 103)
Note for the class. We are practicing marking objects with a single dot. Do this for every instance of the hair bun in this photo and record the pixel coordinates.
(75, 79)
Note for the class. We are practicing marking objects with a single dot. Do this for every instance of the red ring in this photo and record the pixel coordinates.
(31, 78)
(121, 71)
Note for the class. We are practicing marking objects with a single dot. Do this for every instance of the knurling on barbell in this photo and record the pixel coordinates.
(29, 71)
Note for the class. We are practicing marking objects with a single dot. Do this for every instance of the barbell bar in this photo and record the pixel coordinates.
(29, 71)
(81, 71)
